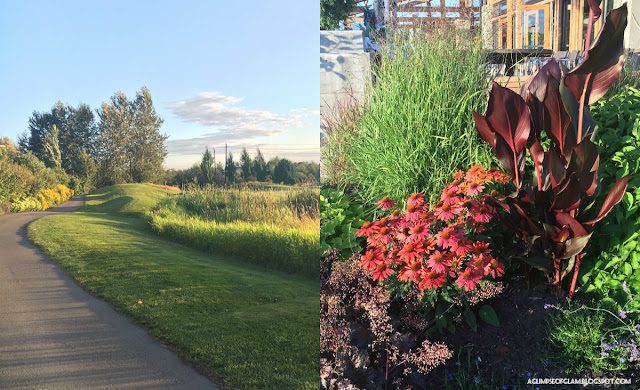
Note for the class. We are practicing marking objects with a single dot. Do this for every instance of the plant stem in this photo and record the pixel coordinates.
(574, 279)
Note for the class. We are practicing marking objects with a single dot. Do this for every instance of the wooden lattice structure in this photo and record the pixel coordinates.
(416, 12)
(557, 25)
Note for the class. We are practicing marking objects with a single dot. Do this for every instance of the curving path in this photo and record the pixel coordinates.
(54, 335)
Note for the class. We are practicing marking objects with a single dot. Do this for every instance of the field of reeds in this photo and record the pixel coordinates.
(275, 228)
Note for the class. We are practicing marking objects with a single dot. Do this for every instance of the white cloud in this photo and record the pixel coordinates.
(235, 126)
(213, 110)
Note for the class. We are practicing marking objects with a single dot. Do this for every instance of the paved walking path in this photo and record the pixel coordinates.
(54, 335)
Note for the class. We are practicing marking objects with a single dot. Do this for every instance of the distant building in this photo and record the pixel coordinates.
(559, 25)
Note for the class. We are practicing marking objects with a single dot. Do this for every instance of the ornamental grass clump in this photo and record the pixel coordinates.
(413, 128)
(549, 211)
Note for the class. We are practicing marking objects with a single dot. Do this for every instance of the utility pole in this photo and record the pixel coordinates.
(225, 164)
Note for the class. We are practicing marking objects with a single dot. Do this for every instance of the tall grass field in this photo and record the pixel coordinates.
(245, 326)
(277, 228)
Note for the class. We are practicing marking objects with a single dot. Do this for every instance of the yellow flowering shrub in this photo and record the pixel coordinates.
(42, 201)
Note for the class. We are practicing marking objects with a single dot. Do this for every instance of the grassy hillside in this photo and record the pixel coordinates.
(247, 327)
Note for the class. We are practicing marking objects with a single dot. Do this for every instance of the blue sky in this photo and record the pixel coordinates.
(244, 73)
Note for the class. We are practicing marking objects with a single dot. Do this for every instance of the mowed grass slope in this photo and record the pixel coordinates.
(247, 327)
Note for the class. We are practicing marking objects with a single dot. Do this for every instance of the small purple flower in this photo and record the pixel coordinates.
(604, 354)
(624, 286)
(615, 344)
(479, 359)
(623, 314)
(450, 377)
(623, 341)
(621, 360)
(606, 346)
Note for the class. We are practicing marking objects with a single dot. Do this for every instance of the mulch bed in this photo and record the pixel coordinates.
(516, 350)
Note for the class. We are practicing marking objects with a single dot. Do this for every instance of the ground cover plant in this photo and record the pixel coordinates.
(414, 128)
(246, 326)
(615, 255)
(276, 229)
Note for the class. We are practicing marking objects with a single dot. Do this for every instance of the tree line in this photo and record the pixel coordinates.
(246, 169)
(123, 144)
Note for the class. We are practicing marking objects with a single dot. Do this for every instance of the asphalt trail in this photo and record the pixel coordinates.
(54, 335)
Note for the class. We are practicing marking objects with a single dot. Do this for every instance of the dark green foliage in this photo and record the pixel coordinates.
(260, 167)
(130, 146)
(76, 131)
(246, 164)
(284, 173)
(207, 167)
(146, 148)
(230, 169)
(333, 11)
(615, 254)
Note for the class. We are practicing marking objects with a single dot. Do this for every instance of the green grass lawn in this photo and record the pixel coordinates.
(245, 326)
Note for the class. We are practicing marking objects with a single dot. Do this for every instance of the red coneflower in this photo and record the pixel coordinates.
(431, 279)
(367, 229)
(473, 172)
(483, 215)
(438, 262)
(447, 237)
(495, 268)
(383, 237)
(445, 211)
(370, 259)
(474, 188)
(410, 252)
(461, 247)
(481, 248)
(411, 271)
(419, 232)
(386, 203)
(450, 195)
(382, 271)
(458, 175)
(468, 279)
(413, 213)
(416, 199)
(480, 262)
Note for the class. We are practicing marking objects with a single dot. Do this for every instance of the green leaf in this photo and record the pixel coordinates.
(627, 269)
(488, 315)
(470, 319)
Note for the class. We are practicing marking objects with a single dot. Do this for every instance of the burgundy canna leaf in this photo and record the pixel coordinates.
(484, 130)
(604, 63)
(576, 227)
(584, 162)
(594, 5)
(537, 154)
(575, 245)
(537, 84)
(589, 126)
(613, 198)
(509, 116)
(556, 166)
(556, 120)
(567, 194)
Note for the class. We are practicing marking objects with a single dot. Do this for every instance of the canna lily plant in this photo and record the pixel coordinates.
(548, 211)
